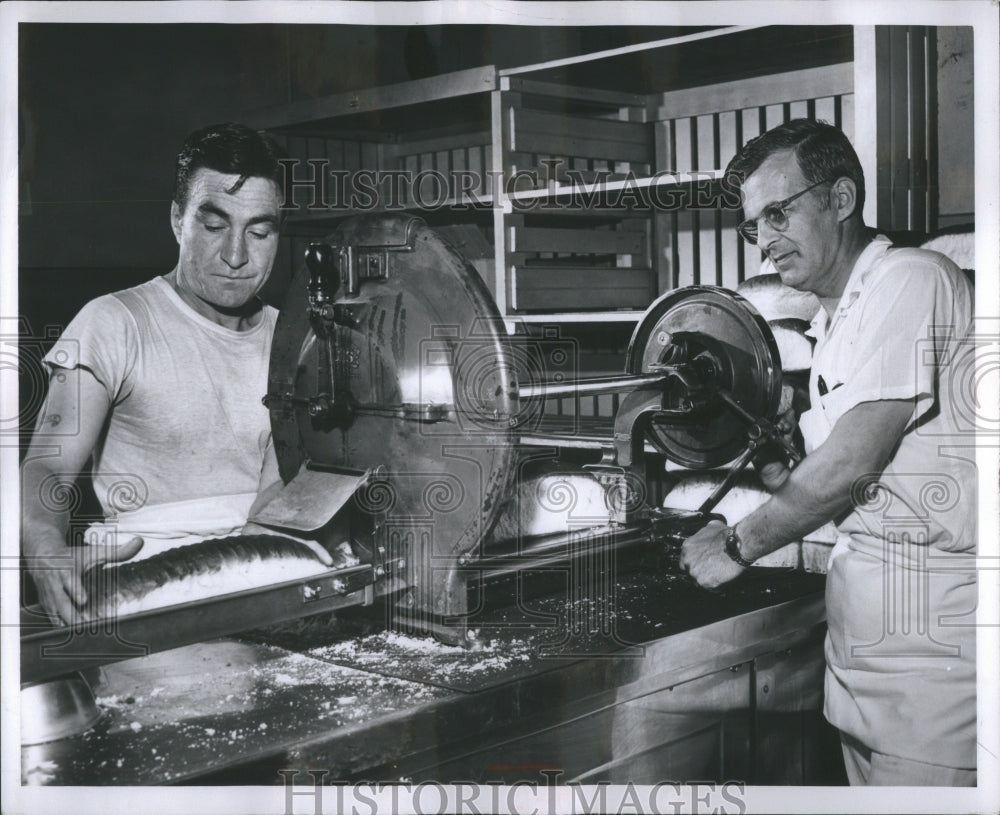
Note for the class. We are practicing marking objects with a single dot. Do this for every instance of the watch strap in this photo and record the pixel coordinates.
(733, 548)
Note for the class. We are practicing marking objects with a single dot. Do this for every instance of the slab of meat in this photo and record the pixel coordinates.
(199, 570)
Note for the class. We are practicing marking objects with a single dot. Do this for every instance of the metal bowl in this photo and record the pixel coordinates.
(56, 709)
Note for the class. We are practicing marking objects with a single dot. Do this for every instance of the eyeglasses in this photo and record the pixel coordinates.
(774, 214)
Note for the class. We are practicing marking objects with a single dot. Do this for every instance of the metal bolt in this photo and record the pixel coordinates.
(663, 338)
(766, 688)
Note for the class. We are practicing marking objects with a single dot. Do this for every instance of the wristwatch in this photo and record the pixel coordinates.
(733, 548)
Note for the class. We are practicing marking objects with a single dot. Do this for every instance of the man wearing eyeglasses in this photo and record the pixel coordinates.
(886, 461)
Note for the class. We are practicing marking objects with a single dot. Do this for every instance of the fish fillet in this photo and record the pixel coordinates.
(197, 571)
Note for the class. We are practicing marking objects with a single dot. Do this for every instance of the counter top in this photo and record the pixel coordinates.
(237, 710)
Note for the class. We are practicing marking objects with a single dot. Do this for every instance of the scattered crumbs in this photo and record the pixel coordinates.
(156, 691)
(42, 773)
(153, 751)
(120, 762)
(263, 726)
(283, 679)
(136, 726)
(108, 701)
(210, 731)
(345, 700)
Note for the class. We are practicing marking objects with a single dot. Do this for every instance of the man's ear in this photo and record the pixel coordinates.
(846, 201)
(175, 220)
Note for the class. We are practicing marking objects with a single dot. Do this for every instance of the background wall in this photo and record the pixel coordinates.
(956, 126)
(104, 109)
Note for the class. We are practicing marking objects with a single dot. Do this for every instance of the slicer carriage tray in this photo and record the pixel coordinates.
(48, 651)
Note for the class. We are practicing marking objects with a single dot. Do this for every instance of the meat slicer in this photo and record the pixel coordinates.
(401, 408)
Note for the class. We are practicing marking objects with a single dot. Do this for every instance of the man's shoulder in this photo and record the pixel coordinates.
(125, 299)
(912, 267)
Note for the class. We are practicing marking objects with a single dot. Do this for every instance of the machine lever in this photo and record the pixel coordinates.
(761, 429)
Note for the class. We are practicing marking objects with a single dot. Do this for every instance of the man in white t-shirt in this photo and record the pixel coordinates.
(887, 462)
(162, 383)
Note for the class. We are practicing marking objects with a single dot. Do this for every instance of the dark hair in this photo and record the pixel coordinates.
(229, 148)
(822, 150)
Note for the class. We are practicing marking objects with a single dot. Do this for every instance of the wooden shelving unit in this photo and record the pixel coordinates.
(595, 178)
(580, 188)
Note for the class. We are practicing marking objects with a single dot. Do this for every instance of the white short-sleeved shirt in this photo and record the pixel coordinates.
(900, 332)
(901, 591)
(186, 420)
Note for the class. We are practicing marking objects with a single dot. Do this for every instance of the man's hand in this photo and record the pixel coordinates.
(771, 460)
(704, 557)
(58, 572)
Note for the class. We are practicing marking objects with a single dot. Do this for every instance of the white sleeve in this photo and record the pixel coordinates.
(103, 339)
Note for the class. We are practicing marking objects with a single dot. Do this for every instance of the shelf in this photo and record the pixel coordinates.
(706, 57)
(444, 88)
(680, 180)
(453, 206)
(623, 316)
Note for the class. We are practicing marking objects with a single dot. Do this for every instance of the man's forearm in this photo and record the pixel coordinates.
(45, 520)
(819, 489)
(794, 511)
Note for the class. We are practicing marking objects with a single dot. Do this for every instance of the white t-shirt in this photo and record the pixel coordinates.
(187, 433)
(901, 591)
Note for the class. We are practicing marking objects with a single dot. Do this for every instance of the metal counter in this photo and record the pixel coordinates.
(566, 682)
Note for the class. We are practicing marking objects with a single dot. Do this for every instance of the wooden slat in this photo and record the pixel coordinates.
(751, 124)
(918, 128)
(684, 243)
(707, 143)
(576, 288)
(898, 103)
(538, 132)
(823, 110)
(933, 188)
(384, 97)
(626, 49)
(763, 90)
(577, 241)
(728, 143)
(798, 110)
(599, 96)
(774, 116)
(435, 143)
(846, 120)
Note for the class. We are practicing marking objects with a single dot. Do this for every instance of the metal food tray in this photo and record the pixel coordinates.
(48, 651)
